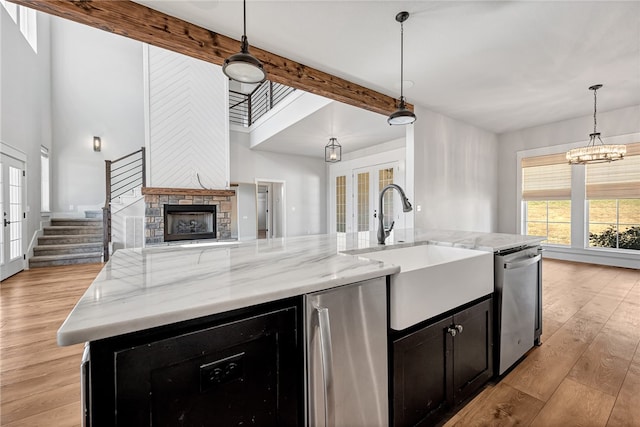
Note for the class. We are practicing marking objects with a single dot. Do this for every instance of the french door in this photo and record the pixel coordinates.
(367, 184)
(356, 198)
(13, 216)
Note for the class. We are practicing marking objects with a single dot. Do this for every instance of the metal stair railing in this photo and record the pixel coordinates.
(246, 108)
(121, 176)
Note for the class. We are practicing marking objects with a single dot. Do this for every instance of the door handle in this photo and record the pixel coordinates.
(326, 356)
(520, 264)
(6, 222)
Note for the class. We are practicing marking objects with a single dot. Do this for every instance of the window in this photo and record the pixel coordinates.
(613, 195)
(44, 180)
(385, 177)
(583, 207)
(29, 26)
(28, 21)
(341, 204)
(546, 198)
(12, 9)
(363, 201)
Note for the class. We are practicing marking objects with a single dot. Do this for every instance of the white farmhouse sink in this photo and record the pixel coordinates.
(433, 279)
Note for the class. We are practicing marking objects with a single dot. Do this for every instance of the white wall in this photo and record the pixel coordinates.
(97, 90)
(305, 183)
(455, 174)
(243, 221)
(188, 121)
(25, 103)
(612, 123)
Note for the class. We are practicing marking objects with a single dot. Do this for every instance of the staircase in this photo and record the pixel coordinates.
(69, 241)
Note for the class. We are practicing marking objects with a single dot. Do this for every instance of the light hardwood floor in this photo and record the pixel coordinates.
(587, 370)
(586, 373)
(39, 381)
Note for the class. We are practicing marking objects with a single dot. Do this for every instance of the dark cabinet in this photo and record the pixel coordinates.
(441, 364)
(242, 371)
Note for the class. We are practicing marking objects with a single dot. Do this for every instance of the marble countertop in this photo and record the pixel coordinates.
(144, 288)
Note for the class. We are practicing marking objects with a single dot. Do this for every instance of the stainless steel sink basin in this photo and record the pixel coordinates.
(433, 279)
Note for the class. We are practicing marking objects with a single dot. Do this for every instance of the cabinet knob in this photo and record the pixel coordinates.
(455, 330)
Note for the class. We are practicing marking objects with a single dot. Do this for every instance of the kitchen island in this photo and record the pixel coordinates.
(151, 302)
(149, 287)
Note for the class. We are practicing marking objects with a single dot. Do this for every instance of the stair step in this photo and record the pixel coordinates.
(68, 259)
(71, 238)
(58, 230)
(70, 248)
(93, 222)
(93, 214)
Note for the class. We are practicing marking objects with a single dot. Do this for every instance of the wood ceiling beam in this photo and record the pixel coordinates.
(147, 25)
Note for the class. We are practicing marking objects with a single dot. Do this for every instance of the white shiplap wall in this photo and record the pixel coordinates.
(188, 121)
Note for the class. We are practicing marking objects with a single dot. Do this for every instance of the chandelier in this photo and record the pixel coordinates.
(596, 151)
(332, 151)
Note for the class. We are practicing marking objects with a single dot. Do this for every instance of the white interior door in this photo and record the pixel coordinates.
(12, 203)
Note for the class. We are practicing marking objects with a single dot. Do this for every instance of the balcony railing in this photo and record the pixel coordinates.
(246, 108)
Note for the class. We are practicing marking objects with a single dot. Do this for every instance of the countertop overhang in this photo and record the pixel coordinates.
(144, 288)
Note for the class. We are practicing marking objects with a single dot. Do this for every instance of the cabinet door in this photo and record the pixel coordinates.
(242, 372)
(472, 349)
(421, 368)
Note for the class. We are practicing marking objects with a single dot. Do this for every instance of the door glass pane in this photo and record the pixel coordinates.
(15, 213)
(341, 204)
(385, 177)
(363, 201)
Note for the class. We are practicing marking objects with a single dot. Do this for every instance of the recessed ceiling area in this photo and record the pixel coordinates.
(498, 65)
(354, 128)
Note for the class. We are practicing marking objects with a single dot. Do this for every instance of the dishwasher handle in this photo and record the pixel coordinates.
(326, 354)
(522, 263)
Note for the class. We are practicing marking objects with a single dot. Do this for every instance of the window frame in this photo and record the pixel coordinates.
(579, 250)
(45, 184)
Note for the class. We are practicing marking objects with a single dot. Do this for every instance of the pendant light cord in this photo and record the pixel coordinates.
(244, 14)
(401, 62)
(595, 92)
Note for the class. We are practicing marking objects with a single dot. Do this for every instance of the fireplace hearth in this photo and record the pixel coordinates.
(189, 222)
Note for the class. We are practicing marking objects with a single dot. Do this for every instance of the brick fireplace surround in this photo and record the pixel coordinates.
(155, 199)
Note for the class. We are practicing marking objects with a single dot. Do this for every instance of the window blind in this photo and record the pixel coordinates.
(616, 180)
(546, 178)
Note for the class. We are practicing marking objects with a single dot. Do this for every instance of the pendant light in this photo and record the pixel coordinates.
(596, 152)
(402, 116)
(244, 67)
(332, 151)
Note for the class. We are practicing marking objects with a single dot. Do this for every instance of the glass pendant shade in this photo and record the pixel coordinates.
(332, 151)
(596, 151)
(244, 67)
(401, 116)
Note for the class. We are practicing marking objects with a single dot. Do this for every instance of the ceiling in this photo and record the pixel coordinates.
(499, 65)
(353, 127)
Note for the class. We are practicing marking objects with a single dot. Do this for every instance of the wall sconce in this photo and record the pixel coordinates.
(97, 143)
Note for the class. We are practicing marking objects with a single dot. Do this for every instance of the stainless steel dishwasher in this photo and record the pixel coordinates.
(346, 345)
(518, 291)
